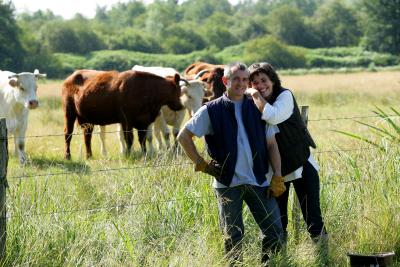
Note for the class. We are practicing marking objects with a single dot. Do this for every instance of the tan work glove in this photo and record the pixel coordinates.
(212, 168)
(276, 187)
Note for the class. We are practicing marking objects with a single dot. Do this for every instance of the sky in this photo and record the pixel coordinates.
(68, 8)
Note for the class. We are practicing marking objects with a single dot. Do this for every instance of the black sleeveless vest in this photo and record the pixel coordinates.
(293, 139)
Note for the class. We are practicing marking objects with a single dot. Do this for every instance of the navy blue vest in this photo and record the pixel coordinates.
(222, 145)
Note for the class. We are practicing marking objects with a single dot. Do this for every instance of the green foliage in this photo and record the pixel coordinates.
(123, 60)
(381, 25)
(287, 24)
(348, 57)
(199, 10)
(220, 37)
(387, 135)
(271, 50)
(251, 28)
(70, 37)
(11, 52)
(135, 40)
(180, 40)
(336, 24)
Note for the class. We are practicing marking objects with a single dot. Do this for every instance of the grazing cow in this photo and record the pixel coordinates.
(192, 96)
(216, 87)
(131, 98)
(210, 74)
(17, 96)
(192, 93)
(194, 68)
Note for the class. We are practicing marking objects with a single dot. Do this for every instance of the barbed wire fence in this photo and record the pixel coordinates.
(154, 166)
(118, 131)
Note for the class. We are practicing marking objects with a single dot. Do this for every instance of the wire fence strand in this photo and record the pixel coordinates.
(117, 131)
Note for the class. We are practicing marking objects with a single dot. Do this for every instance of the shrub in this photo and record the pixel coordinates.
(271, 50)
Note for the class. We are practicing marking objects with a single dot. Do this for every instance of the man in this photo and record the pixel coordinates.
(239, 146)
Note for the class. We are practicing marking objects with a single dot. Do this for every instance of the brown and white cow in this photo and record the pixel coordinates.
(210, 74)
(131, 98)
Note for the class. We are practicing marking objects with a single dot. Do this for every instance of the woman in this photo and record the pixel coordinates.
(279, 107)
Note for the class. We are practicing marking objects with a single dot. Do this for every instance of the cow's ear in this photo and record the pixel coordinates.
(14, 83)
(177, 78)
(39, 75)
(78, 79)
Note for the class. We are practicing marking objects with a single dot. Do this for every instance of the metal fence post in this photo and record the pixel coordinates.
(3, 185)
(296, 210)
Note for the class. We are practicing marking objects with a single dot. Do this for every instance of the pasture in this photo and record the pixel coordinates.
(155, 211)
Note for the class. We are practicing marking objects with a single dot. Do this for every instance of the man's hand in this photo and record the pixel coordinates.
(212, 168)
(276, 187)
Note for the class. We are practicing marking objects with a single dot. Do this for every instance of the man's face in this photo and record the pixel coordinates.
(238, 83)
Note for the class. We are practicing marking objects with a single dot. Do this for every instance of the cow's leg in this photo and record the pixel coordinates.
(19, 141)
(142, 138)
(156, 132)
(163, 127)
(87, 134)
(149, 138)
(180, 115)
(102, 135)
(128, 135)
(121, 139)
(69, 121)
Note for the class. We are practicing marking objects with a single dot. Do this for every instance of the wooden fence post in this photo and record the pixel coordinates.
(3, 185)
(296, 210)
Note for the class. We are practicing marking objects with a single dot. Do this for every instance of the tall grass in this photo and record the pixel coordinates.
(156, 211)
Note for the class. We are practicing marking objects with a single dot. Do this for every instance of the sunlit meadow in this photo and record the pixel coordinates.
(155, 210)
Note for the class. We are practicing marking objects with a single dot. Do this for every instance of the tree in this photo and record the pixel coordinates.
(336, 24)
(199, 10)
(11, 52)
(181, 40)
(287, 24)
(270, 49)
(135, 40)
(381, 24)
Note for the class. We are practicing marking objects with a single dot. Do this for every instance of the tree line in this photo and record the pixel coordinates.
(174, 27)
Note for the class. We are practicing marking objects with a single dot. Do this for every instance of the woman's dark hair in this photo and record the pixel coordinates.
(265, 67)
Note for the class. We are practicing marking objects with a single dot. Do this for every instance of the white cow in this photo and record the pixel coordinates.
(17, 96)
(191, 97)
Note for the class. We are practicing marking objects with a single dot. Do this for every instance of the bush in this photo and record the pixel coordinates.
(347, 57)
(271, 50)
(121, 60)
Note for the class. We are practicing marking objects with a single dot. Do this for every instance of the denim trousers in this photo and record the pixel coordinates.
(307, 191)
(264, 210)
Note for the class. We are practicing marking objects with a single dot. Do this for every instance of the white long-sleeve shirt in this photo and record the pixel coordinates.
(278, 112)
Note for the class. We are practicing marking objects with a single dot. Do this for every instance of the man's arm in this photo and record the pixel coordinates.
(185, 138)
(274, 155)
(257, 98)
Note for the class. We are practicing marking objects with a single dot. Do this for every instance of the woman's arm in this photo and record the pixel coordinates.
(257, 97)
(280, 110)
(274, 155)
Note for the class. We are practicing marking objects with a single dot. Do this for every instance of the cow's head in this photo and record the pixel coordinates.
(25, 87)
(192, 94)
(174, 102)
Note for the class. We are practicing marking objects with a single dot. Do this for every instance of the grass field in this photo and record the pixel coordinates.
(155, 211)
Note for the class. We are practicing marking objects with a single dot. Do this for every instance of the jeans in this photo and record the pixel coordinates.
(264, 210)
(307, 191)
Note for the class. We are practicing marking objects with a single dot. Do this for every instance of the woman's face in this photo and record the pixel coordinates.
(262, 83)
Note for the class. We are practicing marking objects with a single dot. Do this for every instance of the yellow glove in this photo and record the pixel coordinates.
(212, 168)
(276, 187)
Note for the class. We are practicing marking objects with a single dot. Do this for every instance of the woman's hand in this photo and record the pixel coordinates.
(251, 92)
